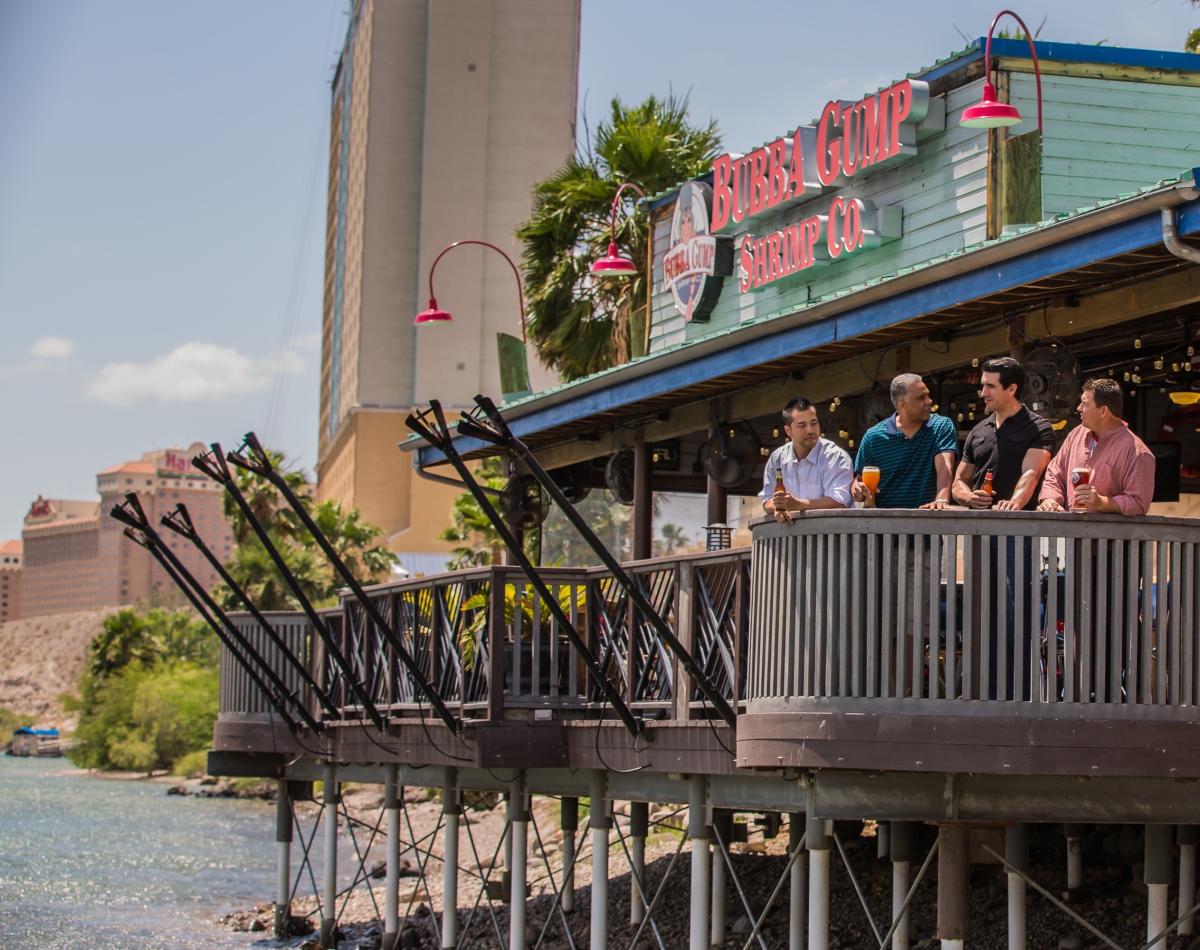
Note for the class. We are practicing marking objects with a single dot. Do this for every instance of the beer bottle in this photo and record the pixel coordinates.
(987, 483)
(779, 481)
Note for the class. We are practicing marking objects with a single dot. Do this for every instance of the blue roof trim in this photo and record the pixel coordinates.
(1100, 55)
(1140, 232)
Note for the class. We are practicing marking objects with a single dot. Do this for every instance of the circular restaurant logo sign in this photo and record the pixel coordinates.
(698, 261)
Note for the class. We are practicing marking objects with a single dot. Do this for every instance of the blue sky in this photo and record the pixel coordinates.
(162, 188)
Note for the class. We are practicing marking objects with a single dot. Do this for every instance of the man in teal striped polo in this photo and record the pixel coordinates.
(913, 449)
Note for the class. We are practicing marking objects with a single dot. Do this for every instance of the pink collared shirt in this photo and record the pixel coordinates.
(1122, 469)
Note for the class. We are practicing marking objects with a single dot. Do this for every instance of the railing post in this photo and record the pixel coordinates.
(685, 618)
(496, 630)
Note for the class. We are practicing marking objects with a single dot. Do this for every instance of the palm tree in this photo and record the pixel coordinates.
(581, 325)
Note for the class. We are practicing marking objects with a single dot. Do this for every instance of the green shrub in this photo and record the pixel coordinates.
(192, 765)
(10, 722)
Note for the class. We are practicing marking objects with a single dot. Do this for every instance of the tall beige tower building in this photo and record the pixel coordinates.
(444, 115)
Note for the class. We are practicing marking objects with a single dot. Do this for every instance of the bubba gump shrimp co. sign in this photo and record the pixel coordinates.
(848, 139)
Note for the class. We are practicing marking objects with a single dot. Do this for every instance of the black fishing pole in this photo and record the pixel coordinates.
(498, 433)
(260, 464)
(139, 538)
(180, 521)
(442, 440)
(213, 465)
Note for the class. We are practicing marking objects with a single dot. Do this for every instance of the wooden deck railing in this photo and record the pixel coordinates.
(488, 644)
(964, 605)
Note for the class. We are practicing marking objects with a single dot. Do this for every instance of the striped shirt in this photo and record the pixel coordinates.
(823, 473)
(906, 474)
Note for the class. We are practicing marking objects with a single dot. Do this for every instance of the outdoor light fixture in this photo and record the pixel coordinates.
(613, 264)
(989, 113)
(434, 314)
(1184, 397)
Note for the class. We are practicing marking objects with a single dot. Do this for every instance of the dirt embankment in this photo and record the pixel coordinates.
(41, 658)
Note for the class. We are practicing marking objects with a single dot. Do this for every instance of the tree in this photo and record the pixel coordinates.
(266, 503)
(477, 541)
(673, 538)
(581, 325)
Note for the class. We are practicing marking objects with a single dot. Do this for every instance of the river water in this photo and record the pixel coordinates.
(87, 862)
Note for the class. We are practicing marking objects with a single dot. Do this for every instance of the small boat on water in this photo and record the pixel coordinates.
(35, 742)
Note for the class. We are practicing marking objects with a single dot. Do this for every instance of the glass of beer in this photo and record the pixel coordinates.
(1080, 476)
(870, 480)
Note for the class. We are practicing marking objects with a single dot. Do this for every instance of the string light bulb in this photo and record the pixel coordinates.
(1174, 367)
(1137, 342)
(1191, 350)
(974, 361)
(1127, 377)
(1158, 363)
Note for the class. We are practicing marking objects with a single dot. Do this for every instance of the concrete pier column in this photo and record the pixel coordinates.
(883, 835)
(797, 884)
(392, 795)
(1074, 835)
(451, 810)
(570, 825)
(283, 857)
(330, 798)
(1016, 853)
(518, 824)
(1188, 837)
(900, 845)
(817, 841)
(699, 832)
(723, 820)
(953, 867)
(1156, 873)
(599, 821)
(639, 826)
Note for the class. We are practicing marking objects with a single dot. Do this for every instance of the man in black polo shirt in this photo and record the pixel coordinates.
(1012, 446)
(1012, 443)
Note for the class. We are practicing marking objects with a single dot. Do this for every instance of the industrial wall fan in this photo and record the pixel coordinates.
(731, 453)
(524, 503)
(618, 476)
(1051, 381)
(574, 481)
(874, 407)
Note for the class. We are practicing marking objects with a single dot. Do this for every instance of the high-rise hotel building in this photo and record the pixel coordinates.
(77, 558)
(444, 115)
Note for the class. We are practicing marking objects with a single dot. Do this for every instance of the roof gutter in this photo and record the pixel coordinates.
(1001, 251)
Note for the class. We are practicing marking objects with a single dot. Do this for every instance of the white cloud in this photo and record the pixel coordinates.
(52, 348)
(192, 372)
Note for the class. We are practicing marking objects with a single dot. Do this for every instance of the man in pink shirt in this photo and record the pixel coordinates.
(1120, 467)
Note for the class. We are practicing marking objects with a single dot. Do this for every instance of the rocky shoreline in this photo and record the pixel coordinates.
(1113, 900)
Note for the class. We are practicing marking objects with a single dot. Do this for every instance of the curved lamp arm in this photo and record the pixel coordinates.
(616, 203)
(502, 253)
(987, 57)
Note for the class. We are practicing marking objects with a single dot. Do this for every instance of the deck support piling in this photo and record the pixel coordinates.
(900, 844)
(570, 825)
(599, 821)
(1016, 853)
(283, 841)
(818, 842)
(451, 809)
(882, 840)
(723, 819)
(797, 884)
(953, 868)
(699, 832)
(1074, 835)
(392, 794)
(1188, 837)
(518, 839)
(1156, 873)
(330, 799)
(639, 825)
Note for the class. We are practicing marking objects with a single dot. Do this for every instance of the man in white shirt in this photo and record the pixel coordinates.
(816, 472)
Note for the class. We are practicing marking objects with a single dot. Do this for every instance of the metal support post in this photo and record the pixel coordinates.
(797, 884)
(723, 820)
(1074, 835)
(699, 833)
(818, 843)
(882, 840)
(901, 846)
(1016, 853)
(953, 867)
(570, 825)
(1156, 872)
(639, 825)
(329, 895)
(283, 843)
(1188, 837)
(451, 809)
(518, 823)
(599, 821)
(392, 794)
